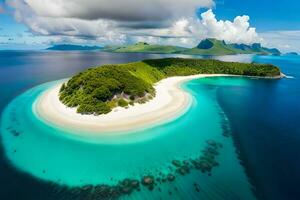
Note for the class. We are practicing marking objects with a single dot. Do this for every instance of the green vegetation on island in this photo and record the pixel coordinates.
(98, 90)
(205, 47)
(143, 47)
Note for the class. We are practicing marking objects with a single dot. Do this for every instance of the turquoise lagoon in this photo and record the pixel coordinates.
(59, 156)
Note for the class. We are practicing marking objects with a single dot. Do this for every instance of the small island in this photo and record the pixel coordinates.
(122, 97)
(99, 90)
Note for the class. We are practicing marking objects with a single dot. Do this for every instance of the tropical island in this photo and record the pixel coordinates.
(208, 46)
(120, 97)
(99, 90)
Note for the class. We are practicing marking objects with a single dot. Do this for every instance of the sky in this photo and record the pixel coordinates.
(36, 24)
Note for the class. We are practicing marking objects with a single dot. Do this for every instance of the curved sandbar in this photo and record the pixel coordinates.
(170, 101)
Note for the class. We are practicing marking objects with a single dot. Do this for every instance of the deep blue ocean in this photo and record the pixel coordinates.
(262, 115)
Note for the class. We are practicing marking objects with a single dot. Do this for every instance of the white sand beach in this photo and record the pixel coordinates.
(170, 102)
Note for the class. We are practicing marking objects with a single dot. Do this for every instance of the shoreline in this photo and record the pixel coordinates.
(170, 102)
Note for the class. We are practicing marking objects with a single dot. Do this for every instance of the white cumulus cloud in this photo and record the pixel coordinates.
(121, 21)
(109, 19)
(236, 31)
(189, 31)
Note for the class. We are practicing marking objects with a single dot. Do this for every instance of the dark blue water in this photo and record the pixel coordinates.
(263, 116)
(265, 120)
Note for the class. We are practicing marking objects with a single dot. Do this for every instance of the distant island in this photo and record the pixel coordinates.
(217, 47)
(70, 47)
(205, 47)
(292, 54)
(143, 47)
(98, 90)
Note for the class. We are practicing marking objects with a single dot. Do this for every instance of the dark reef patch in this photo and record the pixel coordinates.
(204, 163)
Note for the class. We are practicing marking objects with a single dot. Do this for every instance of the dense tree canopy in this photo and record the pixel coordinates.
(98, 90)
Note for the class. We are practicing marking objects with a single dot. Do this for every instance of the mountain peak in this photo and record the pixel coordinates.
(256, 46)
(212, 46)
(209, 43)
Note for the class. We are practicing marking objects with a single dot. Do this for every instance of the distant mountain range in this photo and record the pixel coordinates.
(143, 47)
(217, 47)
(205, 47)
(70, 47)
(292, 54)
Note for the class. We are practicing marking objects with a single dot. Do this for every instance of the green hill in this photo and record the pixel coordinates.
(217, 47)
(212, 47)
(98, 90)
(143, 47)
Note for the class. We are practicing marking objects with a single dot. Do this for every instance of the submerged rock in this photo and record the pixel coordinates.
(176, 163)
(183, 170)
(150, 187)
(135, 183)
(148, 180)
(15, 133)
(171, 177)
(126, 190)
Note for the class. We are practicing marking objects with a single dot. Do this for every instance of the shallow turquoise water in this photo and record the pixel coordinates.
(56, 155)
